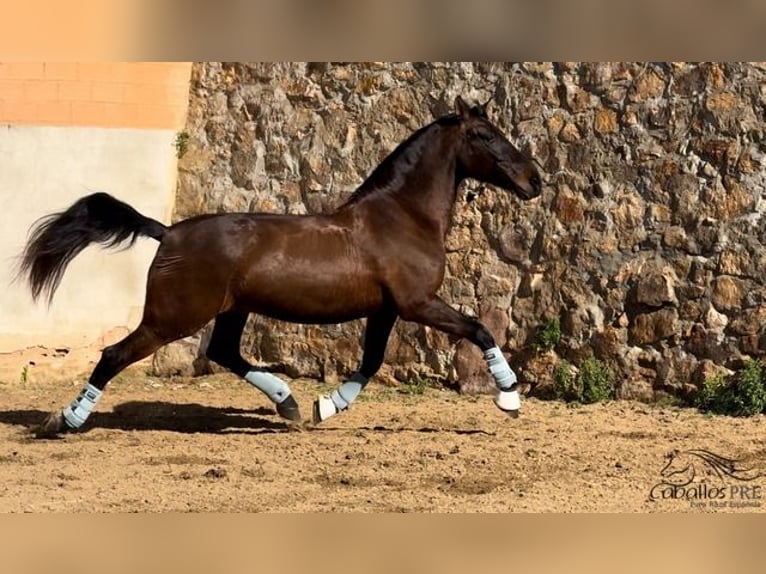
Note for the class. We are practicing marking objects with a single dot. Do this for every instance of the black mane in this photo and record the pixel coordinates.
(389, 174)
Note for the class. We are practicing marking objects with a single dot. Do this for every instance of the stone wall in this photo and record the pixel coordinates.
(647, 243)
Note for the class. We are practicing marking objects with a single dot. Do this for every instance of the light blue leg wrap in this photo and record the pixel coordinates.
(78, 412)
(504, 377)
(274, 388)
(346, 394)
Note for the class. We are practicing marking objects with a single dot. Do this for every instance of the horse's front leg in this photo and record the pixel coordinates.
(376, 336)
(435, 313)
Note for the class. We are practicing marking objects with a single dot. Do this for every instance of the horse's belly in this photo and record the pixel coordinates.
(304, 300)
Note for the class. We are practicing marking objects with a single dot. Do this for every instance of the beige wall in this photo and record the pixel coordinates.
(45, 169)
(67, 130)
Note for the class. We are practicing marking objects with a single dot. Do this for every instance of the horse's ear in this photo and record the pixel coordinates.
(462, 109)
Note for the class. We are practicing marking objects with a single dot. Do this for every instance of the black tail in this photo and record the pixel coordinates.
(56, 239)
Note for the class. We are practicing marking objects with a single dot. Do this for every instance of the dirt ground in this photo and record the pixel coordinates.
(215, 444)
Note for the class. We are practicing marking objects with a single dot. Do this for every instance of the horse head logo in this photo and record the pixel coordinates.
(683, 467)
(679, 469)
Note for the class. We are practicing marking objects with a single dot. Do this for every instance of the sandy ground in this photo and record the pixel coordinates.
(215, 444)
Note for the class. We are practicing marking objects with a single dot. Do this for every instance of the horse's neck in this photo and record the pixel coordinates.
(427, 190)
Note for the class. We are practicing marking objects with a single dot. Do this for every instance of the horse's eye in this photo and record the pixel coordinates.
(484, 135)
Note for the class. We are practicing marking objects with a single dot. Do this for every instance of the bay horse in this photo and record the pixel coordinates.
(379, 256)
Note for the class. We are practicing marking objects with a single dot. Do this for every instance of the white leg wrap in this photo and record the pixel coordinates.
(508, 400)
(274, 388)
(341, 398)
(504, 377)
(324, 408)
(78, 412)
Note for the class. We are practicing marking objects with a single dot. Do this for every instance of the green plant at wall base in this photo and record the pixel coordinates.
(594, 382)
(417, 386)
(548, 335)
(182, 144)
(751, 388)
(743, 396)
(566, 385)
(25, 375)
(713, 389)
(597, 380)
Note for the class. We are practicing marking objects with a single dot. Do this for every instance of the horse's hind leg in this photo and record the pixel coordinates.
(376, 335)
(137, 345)
(224, 350)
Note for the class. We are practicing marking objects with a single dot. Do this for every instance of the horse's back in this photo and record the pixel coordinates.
(308, 269)
(298, 268)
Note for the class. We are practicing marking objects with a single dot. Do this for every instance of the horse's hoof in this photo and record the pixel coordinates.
(288, 409)
(323, 409)
(509, 402)
(52, 426)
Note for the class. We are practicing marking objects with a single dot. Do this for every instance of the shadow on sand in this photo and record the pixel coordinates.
(163, 416)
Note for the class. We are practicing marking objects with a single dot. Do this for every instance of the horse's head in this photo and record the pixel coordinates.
(486, 154)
